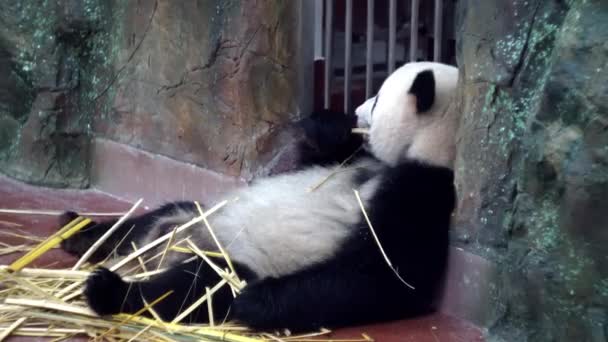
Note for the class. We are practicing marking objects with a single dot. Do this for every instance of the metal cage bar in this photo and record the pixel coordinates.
(348, 42)
(329, 13)
(438, 30)
(369, 53)
(414, 30)
(392, 34)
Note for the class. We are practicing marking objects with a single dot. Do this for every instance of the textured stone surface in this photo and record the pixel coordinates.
(533, 164)
(206, 82)
(51, 54)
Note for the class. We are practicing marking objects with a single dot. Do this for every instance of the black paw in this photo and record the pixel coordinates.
(256, 308)
(105, 292)
(67, 217)
(80, 242)
(328, 138)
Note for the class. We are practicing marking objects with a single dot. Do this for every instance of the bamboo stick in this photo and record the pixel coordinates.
(105, 236)
(52, 241)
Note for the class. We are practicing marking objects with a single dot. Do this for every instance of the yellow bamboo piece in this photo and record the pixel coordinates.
(141, 332)
(215, 239)
(200, 301)
(226, 336)
(169, 243)
(6, 333)
(48, 273)
(388, 261)
(232, 278)
(210, 306)
(165, 237)
(139, 312)
(105, 236)
(189, 251)
(37, 303)
(52, 241)
(335, 171)
(53, 212)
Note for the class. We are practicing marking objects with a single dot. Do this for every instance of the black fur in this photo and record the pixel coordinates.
(410, 212)
(135, 228)
(357, 286)
(423, 88)
(107, 293)
(328, 138)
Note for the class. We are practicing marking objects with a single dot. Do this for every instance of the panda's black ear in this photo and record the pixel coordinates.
(423, 88)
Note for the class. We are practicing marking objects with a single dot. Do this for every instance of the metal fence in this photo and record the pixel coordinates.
(358, 43)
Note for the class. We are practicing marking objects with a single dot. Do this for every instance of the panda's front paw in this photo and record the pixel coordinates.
(77, 244)
(105, 292)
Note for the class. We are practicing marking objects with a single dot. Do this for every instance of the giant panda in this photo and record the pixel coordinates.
(306, 251)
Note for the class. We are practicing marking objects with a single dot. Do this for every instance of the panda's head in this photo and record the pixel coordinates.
(413, 115)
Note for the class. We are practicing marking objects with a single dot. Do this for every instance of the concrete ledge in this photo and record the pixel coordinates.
(468, 287)
(130, 174)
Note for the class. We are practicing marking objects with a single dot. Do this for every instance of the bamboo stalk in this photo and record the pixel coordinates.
(37, 303)
(11, 328)
(230, 277)
(52, 241)
(55, 212)
(369, 223)
(48, 273)
(166, 237)
(198, 302)
(139, 312)
(360, 130)
(215, 239)
(210, 306)
(334, 171)
(162, 258)
(105, 236)
(141, 332)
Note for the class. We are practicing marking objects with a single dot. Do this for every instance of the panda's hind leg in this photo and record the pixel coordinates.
(107, 293)
(132, 230)
(332, 294)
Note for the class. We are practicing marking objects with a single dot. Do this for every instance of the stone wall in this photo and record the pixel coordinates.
(51, 55)
(208, 82)
(532, 168)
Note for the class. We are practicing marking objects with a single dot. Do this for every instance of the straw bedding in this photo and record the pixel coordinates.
(40, 302)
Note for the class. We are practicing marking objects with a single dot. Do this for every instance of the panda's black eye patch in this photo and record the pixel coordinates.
(423, 88)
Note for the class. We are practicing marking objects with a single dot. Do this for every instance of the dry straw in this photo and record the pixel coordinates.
(39, 302)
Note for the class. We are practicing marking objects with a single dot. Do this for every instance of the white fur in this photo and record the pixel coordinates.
(278, 225)
(363, 113)
(397, 131)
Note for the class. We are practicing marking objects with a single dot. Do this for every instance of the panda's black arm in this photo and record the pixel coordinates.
(329, 295)
(136, 228)
(328, 138)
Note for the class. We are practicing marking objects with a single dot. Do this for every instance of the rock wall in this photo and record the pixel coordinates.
(533, 164)
(51, 55)
(206, 82)
(209, 82)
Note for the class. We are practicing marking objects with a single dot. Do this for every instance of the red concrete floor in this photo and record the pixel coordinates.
(15, 195)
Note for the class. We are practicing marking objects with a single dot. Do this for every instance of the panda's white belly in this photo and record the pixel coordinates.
(278, 225)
